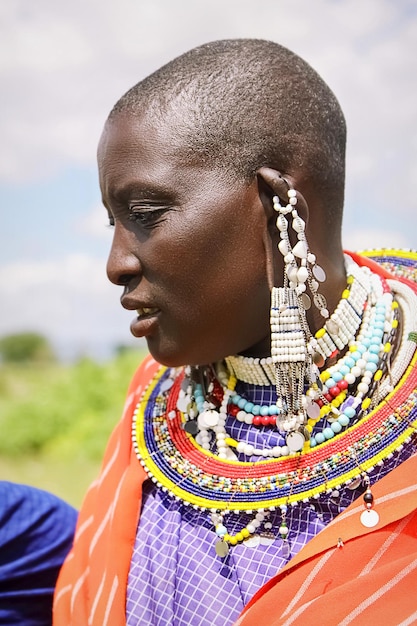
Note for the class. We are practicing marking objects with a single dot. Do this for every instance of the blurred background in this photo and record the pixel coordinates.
(65, 345)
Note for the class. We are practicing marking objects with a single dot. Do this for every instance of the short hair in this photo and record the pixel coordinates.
(246, 103)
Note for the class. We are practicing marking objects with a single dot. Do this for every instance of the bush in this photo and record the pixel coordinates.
(63, 410)
(25, 348)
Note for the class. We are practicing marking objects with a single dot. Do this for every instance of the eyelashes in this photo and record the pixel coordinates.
(146, 217)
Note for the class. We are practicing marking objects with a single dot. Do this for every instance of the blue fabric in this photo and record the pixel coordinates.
(36, 532)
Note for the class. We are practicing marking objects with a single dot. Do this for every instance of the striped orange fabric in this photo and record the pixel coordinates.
(91, 588)
(370, 579)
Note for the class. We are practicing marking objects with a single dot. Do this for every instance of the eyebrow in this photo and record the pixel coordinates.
(140, 192)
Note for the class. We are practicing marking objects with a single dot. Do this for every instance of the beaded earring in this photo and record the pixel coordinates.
(306, 270)
(293, 349)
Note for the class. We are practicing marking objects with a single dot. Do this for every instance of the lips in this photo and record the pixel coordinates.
(146, 322)
(147, 317)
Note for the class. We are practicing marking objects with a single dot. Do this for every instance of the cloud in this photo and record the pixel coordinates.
(92, 224)
(70, 301)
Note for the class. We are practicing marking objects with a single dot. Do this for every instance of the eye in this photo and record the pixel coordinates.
(146, 216)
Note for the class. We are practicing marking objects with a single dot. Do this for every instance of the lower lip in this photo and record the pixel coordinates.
(144, 325)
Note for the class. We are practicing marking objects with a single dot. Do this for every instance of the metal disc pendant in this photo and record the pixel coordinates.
(369, 518)
(355, 483)
(286, 550)
(319, 273)
(332, 327)
(185, 383)
(313, 410)
(211, 418)
(266, 539)
(182, 404)
(191, 427)
(305, 301)
(253, 541)
(222, 548)
(295, 441)
(318, 359)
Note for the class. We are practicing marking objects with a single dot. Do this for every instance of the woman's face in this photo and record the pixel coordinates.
(188, 247)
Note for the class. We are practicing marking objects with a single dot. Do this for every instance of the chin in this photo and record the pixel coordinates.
(172, 355)
(168, 355)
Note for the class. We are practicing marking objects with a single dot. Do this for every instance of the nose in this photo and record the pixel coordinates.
(122, 264)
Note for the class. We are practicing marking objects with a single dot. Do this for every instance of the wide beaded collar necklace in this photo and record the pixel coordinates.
(179, 465)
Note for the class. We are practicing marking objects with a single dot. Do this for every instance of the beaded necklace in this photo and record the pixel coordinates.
(183, 465)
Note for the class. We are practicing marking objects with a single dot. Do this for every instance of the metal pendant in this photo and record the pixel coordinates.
(305, 301)
(191, 427)
(312, 409)
(332, 327)
(253, 541)
(182, 404)
(166, 385)
(286, 550)
(319, 273)
(369, 518)
(211, 418)
(266, 539)
(295, 440)
(355, 483)
(222, 548)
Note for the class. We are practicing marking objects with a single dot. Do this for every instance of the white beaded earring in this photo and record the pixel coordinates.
(307, 272)
(292, 344)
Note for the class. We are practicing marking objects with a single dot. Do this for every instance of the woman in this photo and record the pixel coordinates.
(276, 416)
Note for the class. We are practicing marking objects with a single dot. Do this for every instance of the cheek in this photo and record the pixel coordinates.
(207, 265)
(215, 293)
(226, 286)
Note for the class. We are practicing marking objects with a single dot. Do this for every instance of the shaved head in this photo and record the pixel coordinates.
(244, 103)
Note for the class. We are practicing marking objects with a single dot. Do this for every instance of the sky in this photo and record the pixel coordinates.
(64, 64)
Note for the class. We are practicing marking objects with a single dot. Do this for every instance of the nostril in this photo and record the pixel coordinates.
(121, 269)
(124, 280)
(118, 276)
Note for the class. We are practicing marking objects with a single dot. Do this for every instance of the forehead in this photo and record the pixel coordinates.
(142, 153)
(134, 153)
(129, 139)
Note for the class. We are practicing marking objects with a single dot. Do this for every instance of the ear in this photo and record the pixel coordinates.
(273, 183)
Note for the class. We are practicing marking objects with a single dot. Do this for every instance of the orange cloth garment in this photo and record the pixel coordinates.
(91, 587)
(323, 584)
(349, 574)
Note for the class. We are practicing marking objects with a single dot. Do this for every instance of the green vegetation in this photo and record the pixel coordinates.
(26, 348)
(55, 420)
